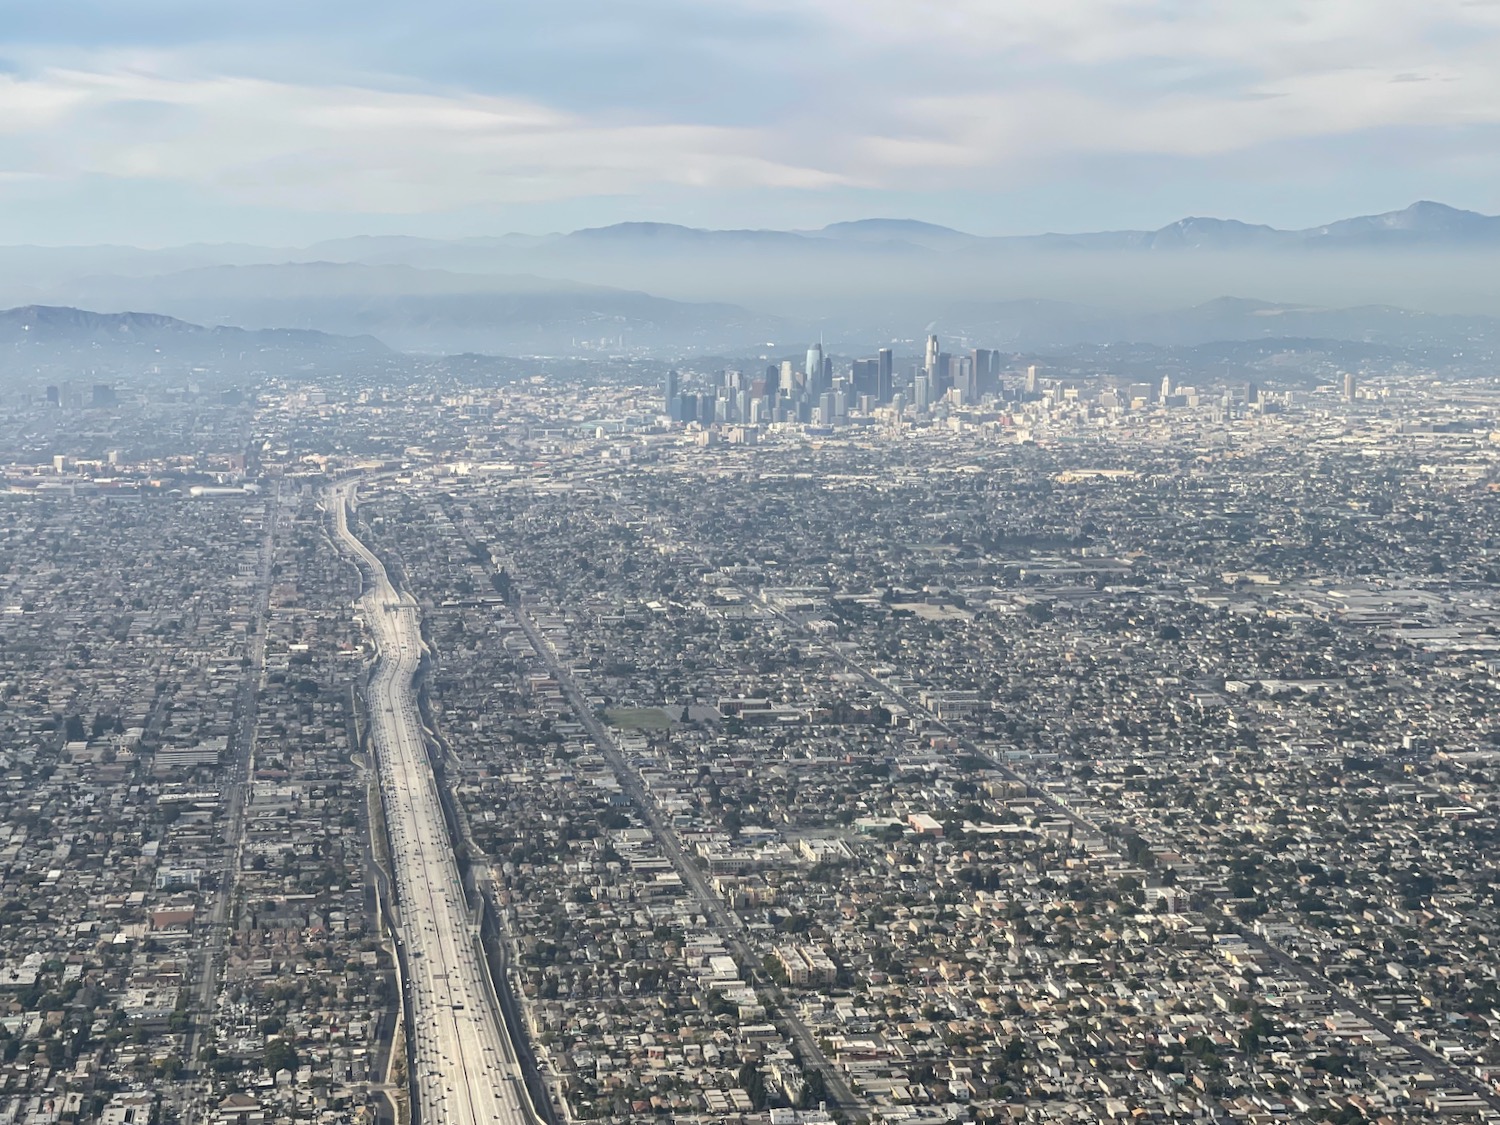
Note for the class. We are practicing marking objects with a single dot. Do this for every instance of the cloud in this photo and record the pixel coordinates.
(776, 96)
(967, 92)
(345, 147)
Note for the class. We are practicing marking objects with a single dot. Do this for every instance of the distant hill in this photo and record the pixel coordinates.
(1423, 223)
(905, 233)
(436, 311)
(43, 340)
(41, 326)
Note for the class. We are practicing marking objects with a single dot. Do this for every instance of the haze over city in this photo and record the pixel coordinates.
(763, 563)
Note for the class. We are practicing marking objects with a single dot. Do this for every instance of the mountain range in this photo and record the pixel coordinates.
(1424, 223)
(663, 288)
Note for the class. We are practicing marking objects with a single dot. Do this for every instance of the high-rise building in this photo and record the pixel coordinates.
(1166, 387)
(670, 392)
(814, 369)
(1032, 384)
(885, 377)
(986, 362)
(940, 378)
(930, 362)
(865, 374)
(965, 379)
(920, 393)
(1350, 386)
(826, 407)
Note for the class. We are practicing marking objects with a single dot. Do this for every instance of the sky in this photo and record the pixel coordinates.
(160, 122)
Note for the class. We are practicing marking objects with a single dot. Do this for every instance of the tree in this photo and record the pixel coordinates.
(751, 1081)
(280, 1056)
(814, 1090)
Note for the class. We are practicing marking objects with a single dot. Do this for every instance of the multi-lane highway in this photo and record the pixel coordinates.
(464, 1071)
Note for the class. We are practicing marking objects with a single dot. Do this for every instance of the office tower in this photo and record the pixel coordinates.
(814, 369)
(941, 377)
(920, 395)
(1032, 384)
(1166, 387)
(104, 395)
(54, 396)
(965, 378)
(930, 361)
(885, 377)
(986, 362)
(670, 392)
(826, 408)
(1349, 386)
(866, 376)
(788, 379)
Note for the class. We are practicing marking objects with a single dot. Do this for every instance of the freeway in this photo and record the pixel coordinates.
(463, 1068)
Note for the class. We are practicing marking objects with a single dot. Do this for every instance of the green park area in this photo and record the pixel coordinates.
(637, 718)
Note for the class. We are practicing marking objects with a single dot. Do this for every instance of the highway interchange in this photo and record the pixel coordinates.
(464, 1070)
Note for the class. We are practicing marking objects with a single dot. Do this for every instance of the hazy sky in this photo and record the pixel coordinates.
(160, 121)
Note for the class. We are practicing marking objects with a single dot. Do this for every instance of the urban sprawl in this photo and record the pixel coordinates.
(910, 739)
